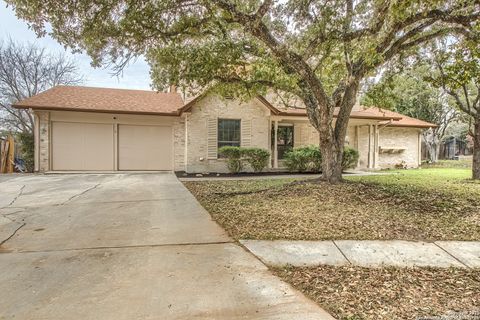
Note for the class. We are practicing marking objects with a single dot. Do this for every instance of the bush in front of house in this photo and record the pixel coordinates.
(306, 158)
(27, 149)
(257, 158)
(350, 158)
(309, 158)
(234, 158)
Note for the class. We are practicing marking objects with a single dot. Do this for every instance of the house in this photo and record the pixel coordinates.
(100, 129)
(453, 147)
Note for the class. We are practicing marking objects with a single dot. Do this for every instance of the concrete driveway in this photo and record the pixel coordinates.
(127, 246)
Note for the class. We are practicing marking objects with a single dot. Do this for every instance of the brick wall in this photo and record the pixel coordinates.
(214, 107)
(43, 140)
(45, 118)
(397, 137)
(179, 143)
(258, 116)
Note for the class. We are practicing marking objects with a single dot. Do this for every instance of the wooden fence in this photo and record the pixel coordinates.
(7, 154)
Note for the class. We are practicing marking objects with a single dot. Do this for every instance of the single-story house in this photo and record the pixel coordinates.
(100, 129)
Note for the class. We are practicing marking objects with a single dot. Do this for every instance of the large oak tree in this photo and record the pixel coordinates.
(317, 50)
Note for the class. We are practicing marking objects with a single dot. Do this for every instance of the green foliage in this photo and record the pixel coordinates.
(350, 158)
(234, 158)
(205, 42)
(319, 51)
(306, 158)
(410, 94)
(257, 158)
(27, 145)
(309, 158)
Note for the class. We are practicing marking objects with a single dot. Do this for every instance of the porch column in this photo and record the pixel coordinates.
(370, 146)
(275, 148)
(419, 148)
(376, 136)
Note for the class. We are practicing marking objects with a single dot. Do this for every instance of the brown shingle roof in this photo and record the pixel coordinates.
(407, 121)
(76, 98)
(92, 99)
(374, 113)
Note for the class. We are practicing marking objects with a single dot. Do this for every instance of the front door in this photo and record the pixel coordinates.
(284, 140)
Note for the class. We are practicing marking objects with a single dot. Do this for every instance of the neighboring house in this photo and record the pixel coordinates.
(89, 129)
(453, 147)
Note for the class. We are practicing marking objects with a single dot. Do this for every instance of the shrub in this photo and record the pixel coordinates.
(234, 158)
(27, 149)
(350, 158)
(257, 158)
(307, 158)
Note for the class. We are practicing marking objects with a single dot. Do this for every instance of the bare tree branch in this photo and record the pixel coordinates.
(26, 70)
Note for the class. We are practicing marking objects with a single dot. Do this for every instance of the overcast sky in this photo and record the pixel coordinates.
(134, 76)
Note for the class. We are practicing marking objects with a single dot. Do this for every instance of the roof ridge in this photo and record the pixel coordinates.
(110, 88)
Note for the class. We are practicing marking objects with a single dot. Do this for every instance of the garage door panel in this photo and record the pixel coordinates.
(145, 147)
(82, 146)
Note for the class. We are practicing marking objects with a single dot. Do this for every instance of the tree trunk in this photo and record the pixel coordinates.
(476, 150)
(431, 139)
(332, 155)
(332, 134)
(332, 140)
(433, 151)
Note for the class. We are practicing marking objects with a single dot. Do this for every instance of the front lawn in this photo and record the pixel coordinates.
(465, 163)
(424, 204)
(356, 293)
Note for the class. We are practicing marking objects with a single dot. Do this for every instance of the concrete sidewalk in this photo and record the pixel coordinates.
(398, 253)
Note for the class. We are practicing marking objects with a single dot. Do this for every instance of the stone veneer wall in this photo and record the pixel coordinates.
(214, 107)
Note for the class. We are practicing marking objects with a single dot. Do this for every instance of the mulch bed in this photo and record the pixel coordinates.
(356, 293)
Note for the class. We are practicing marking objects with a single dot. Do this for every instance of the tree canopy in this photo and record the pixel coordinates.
(458, 74)
(318, 50)
(409, 92)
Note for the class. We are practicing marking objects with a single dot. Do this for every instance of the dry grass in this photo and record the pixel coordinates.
(404, 206)
(388, 293)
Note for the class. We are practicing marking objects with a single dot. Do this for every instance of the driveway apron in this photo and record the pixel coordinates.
(127, 246)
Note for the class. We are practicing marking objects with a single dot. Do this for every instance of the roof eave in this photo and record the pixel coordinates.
(283, 113)
(420, 126)
(50, 108)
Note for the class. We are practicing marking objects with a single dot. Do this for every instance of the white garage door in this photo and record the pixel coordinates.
(145, 147)
(82, 146)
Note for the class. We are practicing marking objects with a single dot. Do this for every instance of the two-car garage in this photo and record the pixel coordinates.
(83, 146)
(102, 129)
